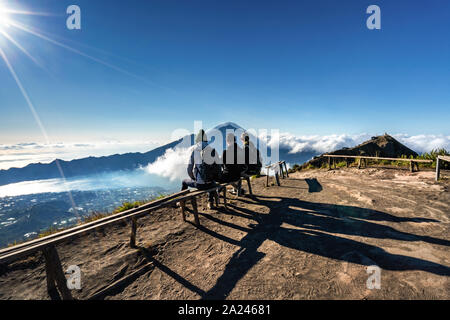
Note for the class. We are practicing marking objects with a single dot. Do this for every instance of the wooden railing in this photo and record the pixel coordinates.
(362, 159)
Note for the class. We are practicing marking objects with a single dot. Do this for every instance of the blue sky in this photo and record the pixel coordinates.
(304, 67)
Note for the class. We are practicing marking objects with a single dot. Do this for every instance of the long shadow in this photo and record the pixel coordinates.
(148, 255)
(342, 211)
(314, 185)
(316, 220)
(349, 220)
(237, 212)
(224, 223)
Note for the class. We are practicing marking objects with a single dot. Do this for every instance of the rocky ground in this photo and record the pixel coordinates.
(311, 238)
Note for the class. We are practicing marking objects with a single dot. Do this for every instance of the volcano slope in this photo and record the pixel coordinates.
(379, 146)
(311, 238)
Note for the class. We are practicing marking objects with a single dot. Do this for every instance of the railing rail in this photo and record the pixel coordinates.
(377, 158)
(412, 162)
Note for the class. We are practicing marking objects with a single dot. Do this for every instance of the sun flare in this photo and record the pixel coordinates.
(4, 18)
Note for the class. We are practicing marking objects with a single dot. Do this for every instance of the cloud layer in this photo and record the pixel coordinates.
(424, 143)
(172, 164)
(319, 144)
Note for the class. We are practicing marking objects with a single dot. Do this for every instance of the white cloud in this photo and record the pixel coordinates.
(318, 144)
(172, 164)
(424, 143)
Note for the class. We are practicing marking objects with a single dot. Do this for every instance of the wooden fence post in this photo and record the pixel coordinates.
(277, 178)
(249, 185)
(216, 197)
(55, 274)
(224, 189)
(280, 166)
(133, 232)
(183, 209)
(194, 206)
(285, 167)
(438, 169)
(239, 188)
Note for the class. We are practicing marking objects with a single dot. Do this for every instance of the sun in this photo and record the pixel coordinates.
(4, 18)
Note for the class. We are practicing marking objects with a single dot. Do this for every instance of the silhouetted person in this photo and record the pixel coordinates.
(232, 161)
(252, 156)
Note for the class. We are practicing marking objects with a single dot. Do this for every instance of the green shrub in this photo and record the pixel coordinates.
(50, 231)
(341, 164)
(130, 205)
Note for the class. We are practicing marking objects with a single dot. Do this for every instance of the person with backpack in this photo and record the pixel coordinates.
(252, 156)
(203, 168)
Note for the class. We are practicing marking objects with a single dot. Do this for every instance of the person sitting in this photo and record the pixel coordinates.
(203, 167)
(252, 156)
(232, 162)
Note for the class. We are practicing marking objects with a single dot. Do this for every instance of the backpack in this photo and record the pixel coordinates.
(208, 172)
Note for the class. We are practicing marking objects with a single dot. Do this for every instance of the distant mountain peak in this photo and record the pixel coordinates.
(228, 125)
(378, 146)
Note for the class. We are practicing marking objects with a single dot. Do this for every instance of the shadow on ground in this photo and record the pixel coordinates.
(314, 185)
(310, 224)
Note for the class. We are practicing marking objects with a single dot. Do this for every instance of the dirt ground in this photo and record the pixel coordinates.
(311, 238)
